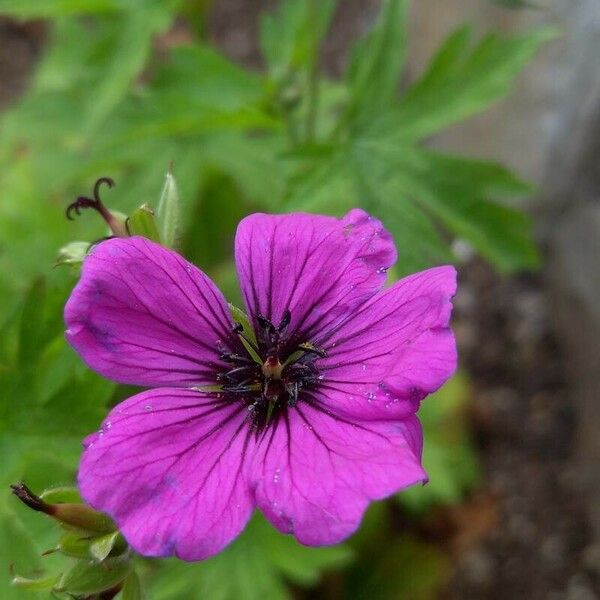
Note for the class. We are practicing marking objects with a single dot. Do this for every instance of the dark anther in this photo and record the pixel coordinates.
(234, 374)
(235, 358)
(239, 330)
(95, 202)
(266, 324)
(285, 321)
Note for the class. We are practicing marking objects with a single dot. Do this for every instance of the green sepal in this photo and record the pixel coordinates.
(81, 516)
(167, 213)
(92, 577)
(142, 222)
(60, 495)
(75, 544)
(72, 254)
(101, 547)
(41, 584)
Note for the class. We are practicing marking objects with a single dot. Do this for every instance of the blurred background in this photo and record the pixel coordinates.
(475, 144)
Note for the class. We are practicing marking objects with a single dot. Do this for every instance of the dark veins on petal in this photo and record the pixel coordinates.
(272, 386)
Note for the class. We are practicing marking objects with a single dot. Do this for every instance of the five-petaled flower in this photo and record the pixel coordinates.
(309, 421)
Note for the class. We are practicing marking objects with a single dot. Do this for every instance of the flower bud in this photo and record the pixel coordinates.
(91, 577)
(72, 253)
(69, 514)
(168, 212)
(142, 222)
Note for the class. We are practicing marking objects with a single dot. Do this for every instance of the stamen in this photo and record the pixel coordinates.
(285, 321)
(275, 384)
(266, 324)
(235, 358)
(231, 375)
(311, 348)
(242, 389)
(252, 348)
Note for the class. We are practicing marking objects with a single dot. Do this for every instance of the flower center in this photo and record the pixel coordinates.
(273, 385)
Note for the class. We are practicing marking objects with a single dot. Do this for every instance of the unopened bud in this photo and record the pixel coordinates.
(72, 254)
(142, 222)
(70, 514)
(92, 577)
(168, 211)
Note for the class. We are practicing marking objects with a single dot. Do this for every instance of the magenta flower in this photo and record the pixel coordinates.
(312, 424)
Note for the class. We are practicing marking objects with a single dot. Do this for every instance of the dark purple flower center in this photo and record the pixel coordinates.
(273, 385)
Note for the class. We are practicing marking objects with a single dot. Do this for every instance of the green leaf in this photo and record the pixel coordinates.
(125, 57)
(298, 563)
(32, 322)
(17, 547)
(142, 222)
(407, 568)
(514, 3)
(254, 567)
(40, 584)
(377, 61)
(132, 588)
(91, 577)
(167, 214)
(463, 197)
(461, 81)
(289, 37)
(449, 456)
(44, 9)
(461, 194)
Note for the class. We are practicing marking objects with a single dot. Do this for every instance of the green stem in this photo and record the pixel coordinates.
(313, 78)
(291, 128)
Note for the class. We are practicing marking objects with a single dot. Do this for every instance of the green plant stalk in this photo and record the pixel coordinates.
(313, 79)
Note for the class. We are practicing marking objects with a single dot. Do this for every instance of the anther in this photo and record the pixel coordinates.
(238, 329)
(235, 358)
(266, 324)
(285, 321)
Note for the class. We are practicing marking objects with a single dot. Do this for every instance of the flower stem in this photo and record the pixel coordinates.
(313, 78)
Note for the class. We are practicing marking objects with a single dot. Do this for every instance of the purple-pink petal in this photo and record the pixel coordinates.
(169, 466)
(315, 474)
(392, 351)
(143, 315)
(319, 268)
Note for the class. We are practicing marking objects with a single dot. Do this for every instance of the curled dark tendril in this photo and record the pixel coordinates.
(95, 202)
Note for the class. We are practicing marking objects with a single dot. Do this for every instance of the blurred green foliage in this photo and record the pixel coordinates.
(115, 94)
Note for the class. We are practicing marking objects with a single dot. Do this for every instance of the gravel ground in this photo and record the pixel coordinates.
(538, 546)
